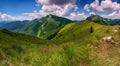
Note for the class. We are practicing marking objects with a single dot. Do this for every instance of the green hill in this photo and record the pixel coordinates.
(47, 27)
(80, 30)
(38, 27)
(96, 48)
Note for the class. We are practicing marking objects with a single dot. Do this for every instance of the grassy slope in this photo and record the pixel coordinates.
(74, 45)
(89, 48)
(48, 32)
(77, 31)
(14, 47)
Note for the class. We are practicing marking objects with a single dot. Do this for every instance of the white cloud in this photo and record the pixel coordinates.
(55, 2)
(108, 5)
(57, 7)
(95, 6)
(77, 16)
(43, 1)
(32, 15)
(7, 17)
(104, 6)
(86, 7)
(92, 13)
(4, 16)
(113, 15)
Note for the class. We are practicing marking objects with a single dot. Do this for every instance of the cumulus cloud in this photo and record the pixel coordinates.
(61, 2)
(57, 7)
(104, 6)
(113, 15)
(86, 7)
(77, 16)
(55, 2)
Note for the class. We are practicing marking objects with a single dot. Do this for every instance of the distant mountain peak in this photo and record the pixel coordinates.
(51, 15)
(99, 19)
(93, 16)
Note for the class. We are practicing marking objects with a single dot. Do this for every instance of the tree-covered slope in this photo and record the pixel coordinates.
(51, 25)
(14, 25)
(44, 28)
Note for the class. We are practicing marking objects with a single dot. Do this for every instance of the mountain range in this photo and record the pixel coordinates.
(57, 41)
(42, 27)
(38, 27)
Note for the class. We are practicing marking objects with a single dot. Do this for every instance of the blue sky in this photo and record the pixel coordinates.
(17, 7)
(72, 9)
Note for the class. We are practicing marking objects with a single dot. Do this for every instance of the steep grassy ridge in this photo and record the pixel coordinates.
(75, 31)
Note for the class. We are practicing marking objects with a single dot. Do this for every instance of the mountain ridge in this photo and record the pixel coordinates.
(47, 27)
(39, 27)
(102, 20)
